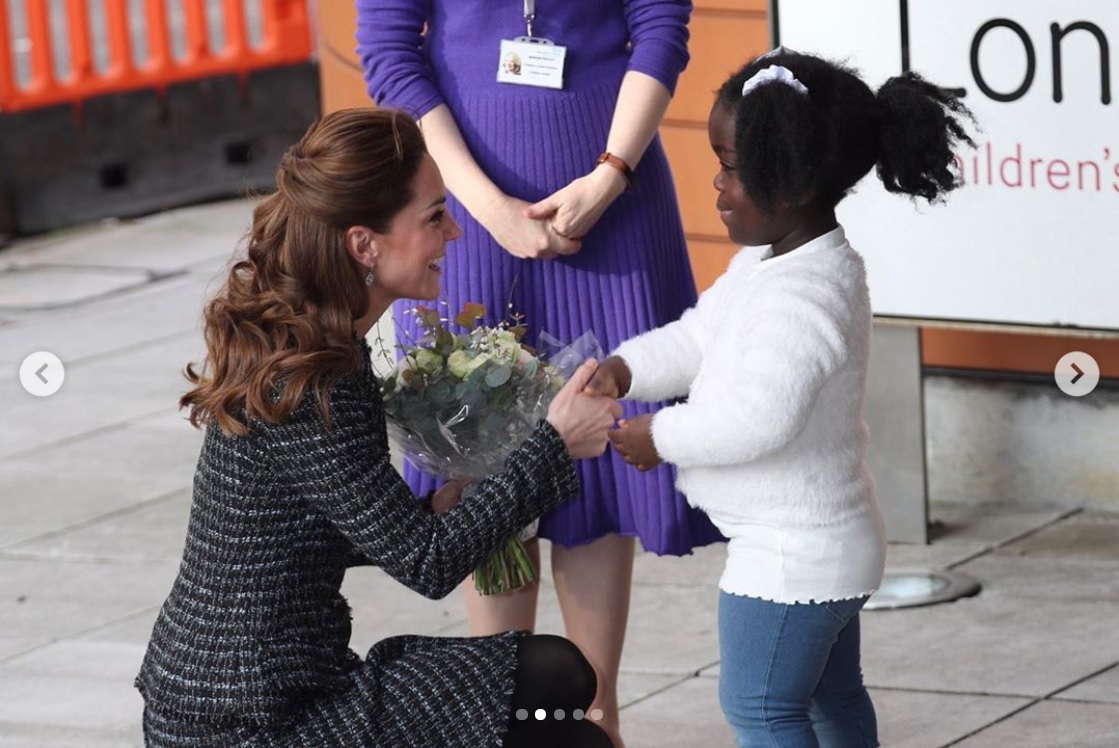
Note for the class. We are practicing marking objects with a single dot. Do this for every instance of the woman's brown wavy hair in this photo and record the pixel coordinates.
(283, 323)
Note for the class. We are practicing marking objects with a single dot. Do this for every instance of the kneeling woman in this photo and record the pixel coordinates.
(294, 485)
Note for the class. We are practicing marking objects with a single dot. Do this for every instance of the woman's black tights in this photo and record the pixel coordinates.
(553, 676)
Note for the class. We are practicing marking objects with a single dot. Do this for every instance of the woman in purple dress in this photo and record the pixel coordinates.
(559, 232)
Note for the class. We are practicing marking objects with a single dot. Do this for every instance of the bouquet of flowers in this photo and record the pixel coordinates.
(458, 404)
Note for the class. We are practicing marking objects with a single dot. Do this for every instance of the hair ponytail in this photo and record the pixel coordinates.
(920, 131)
(822, 140)
(282, 325)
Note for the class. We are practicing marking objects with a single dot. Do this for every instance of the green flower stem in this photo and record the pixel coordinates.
(507, 570)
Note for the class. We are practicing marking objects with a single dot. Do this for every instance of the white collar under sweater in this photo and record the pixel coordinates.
(773, 361)
(748, 256)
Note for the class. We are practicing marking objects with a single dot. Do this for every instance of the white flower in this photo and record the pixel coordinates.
(461, 363)
(428, 361)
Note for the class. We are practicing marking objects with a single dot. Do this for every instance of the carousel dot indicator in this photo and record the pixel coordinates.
(522, 714)
(541, 714)
(559, 714)
(577, 714)
(596, 714)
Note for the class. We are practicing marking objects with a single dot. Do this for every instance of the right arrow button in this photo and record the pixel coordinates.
(1077, 374)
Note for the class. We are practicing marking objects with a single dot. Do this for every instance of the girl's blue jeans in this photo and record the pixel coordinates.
(790, 675)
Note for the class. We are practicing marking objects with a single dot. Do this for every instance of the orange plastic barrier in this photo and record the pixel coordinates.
(286, 39)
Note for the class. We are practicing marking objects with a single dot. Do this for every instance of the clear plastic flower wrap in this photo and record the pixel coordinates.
(458, 404)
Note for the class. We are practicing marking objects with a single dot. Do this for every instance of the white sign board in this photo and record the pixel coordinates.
(1033, 238)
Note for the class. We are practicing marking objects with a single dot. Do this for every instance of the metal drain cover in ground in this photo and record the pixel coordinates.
(910, 589)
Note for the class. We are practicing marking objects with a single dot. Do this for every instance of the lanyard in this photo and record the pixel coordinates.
(530, 15)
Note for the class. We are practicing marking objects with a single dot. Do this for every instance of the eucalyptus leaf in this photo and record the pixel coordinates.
(499, 375)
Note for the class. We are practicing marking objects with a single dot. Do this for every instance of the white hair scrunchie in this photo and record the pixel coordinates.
(774, 74)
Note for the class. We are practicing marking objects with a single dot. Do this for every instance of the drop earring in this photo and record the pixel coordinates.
(370, 279)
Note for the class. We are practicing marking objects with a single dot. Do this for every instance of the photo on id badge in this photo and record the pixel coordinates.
(531, 61)
(512, 63)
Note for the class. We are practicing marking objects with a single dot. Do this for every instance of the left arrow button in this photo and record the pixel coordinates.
(32, 374)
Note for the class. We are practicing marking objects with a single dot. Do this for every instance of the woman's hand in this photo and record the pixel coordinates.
(611, 379)
(446, 497)
(583, 420)
(574, 210)
(505, 218)
(634, 441)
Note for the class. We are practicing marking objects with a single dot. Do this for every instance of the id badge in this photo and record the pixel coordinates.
(531, 61)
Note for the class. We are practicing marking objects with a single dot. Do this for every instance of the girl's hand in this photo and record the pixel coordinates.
(582, 420)
(574, 210)
(447, 496)
(634, 441)
(507, 220)
(611, 379)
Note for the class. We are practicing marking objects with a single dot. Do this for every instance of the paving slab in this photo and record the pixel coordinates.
(155, 311)
(672, 633)
(75, 686)
(59, 486)
(915, 719)
(44, 601)
(134, 628)
(1051, 579)
(49, 287)
(636, 687)
(701, 568)
(987, 524)
(1102, 688)
(10, 647)
(913, 557)
(906, 719)
(1072, 560)
(383, 607)
(685, 716)
(99, 394)
(1053, 724)
(1086, 537)
(23, 735)
(152, 531)
(990, 645)
(162, 243)
(213, 269)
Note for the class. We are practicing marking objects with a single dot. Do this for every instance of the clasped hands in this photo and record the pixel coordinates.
(633, 438)
(556, 225)
(587, 409)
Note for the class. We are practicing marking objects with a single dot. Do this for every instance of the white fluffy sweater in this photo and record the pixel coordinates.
(773, 361)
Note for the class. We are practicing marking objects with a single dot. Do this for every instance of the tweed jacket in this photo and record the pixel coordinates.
(255, 622)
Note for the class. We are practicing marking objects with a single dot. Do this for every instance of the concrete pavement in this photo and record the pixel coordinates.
(94, 494)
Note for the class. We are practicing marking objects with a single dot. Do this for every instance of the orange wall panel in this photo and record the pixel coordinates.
(339, 70)
(709, 259)
(724, 34)
(720, 43)
(693, 167)
(1013, 352)
(757, 7)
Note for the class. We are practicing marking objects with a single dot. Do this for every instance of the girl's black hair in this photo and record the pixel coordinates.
(818, 145)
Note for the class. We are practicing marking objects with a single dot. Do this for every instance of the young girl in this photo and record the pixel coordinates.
(771, 442)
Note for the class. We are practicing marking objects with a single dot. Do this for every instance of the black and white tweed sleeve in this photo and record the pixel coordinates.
(344, 472)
